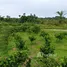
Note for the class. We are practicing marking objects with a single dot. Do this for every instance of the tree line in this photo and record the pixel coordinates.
(35, 19)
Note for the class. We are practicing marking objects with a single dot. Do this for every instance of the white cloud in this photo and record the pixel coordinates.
(39, 7)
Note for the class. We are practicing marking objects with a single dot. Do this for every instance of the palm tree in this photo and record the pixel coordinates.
(61, 16)
(19, 15)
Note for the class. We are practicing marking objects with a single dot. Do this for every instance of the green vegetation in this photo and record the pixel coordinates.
(30, 41)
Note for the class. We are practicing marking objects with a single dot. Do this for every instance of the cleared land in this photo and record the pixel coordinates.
(8, 45)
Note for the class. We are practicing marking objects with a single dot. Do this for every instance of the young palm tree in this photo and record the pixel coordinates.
(61, 16)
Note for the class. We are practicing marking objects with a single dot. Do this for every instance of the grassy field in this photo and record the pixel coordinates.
(60, 45)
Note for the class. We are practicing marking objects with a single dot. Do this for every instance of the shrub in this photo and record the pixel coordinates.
(64, 63)
(32, 38)
(13, 60)
(47, 48)
(61, 36)
(49, 62)
(35, 29)
(43, 34)
(19, 42)
(45, 62)
(25, 27)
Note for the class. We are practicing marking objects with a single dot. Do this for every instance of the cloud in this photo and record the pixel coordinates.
(39, 7)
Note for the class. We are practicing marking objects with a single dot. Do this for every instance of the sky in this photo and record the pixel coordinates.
(42, 8)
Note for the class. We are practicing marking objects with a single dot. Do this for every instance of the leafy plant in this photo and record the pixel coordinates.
(47, 48)
(43, 34)
(32, 38)
(14, 60)
(64, 63)
(19, 42)
(61, 16)
(35, 29)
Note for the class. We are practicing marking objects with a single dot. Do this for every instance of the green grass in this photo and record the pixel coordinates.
(60, 45)
(33, 47)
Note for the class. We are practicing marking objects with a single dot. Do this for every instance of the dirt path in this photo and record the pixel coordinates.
(64, 30)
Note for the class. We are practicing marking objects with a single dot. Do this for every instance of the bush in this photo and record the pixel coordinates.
(19, 42)
(64, 63)
(25, 27)
(13, 60)
(43, 34)
(47, 49)
(50, 62)
(32, 38)
(61, 36)
(45, 62)
(35, 29)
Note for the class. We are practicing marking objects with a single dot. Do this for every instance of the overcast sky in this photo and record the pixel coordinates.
(42, 8)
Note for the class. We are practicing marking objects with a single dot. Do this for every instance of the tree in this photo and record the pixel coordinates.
(61, 16)
(23, 18)
(8, 18)
(19, 15)
(1, 18)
